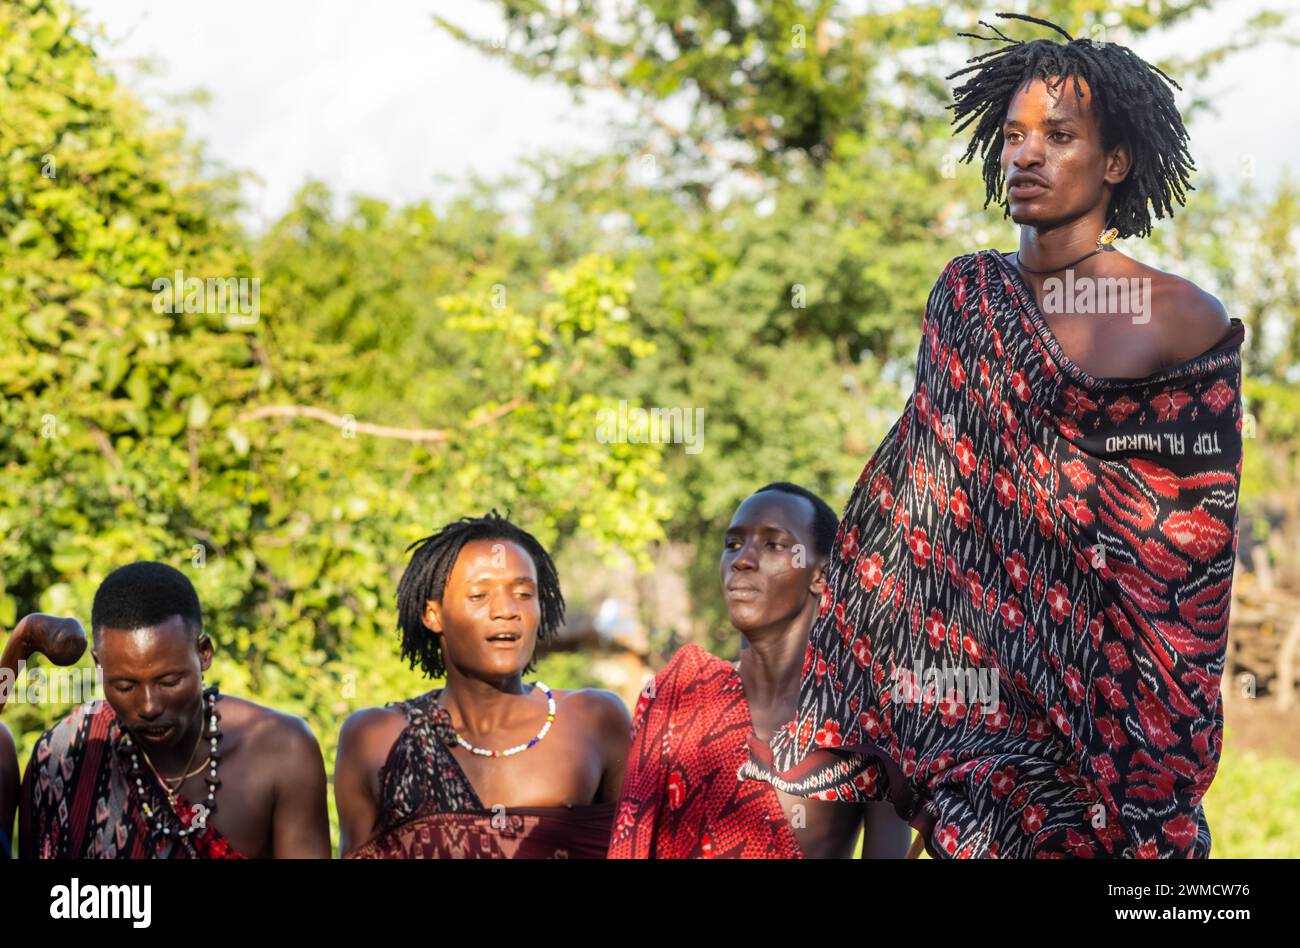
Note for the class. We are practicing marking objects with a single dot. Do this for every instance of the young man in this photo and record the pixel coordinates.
(485, 767)
(682, 796)
(63, 642)
(1055, 512)
(166, 768)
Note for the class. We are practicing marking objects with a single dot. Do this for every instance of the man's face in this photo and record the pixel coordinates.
(153, 678)
(770, 569)
(489, 614)
(1052, 156)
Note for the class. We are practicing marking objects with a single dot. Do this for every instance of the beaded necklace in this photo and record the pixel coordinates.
(518, 748)
(213, 734)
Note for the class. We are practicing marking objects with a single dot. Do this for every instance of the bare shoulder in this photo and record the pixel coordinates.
(267, 729)
(370, 732)
(1182, 301)
(603, 709)
(1190, 320)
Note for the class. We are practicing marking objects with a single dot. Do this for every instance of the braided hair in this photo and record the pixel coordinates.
(1130, 97)
(426, 575)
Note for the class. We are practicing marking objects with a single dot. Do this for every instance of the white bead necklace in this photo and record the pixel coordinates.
(518, 748)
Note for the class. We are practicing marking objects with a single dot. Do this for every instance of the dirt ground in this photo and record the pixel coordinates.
(1257, 725)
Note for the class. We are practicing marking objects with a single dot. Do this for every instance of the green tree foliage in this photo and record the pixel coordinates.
(790, 79)
(108, 435)
(255, 451)
(766, 263)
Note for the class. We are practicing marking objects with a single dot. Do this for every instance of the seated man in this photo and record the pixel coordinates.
(682, 796)
(486, 767)
(63, 642)
(166, 768)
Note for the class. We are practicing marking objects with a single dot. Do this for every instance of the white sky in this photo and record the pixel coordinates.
(373, 98)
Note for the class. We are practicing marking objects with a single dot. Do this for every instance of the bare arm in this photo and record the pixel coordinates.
(365, 741)
(616, 736)
(60, 639)
(885, 836)
(8, 784)
(300, 827)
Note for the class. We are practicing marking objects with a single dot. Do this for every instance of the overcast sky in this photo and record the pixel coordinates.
(371, 97)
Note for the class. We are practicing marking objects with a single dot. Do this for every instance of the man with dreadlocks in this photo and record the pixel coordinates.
(1054, 514)
(485, 767)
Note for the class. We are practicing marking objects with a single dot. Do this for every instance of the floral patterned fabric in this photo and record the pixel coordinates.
(1068, 538)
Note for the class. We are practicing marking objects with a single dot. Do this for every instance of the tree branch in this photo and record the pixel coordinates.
(427, 435)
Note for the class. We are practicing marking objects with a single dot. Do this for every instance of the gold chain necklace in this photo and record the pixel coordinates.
(167, 781)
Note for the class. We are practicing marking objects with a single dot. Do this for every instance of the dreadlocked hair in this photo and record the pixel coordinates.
(1130, 97)
(426, 575)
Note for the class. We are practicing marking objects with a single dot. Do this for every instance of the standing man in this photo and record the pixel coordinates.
(1056, 508)
(683, 796)
(165, 767)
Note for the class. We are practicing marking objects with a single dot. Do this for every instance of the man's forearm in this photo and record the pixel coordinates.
(17, 650)
(61, 639)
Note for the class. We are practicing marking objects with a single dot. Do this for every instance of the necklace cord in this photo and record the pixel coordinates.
(1104, 243)
(209, 807)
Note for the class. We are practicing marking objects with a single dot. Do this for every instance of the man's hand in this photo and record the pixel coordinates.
(61, 639)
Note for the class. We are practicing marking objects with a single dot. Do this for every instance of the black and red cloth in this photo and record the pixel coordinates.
(428, 809)
(81, 799)
(1074, 537)
(681, 798)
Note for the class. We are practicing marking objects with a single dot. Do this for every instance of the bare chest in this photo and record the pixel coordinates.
(824, 829)
(1107, 347)
(245, 802)
(563, 770)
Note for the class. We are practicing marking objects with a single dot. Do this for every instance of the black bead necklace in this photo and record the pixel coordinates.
(213, 735)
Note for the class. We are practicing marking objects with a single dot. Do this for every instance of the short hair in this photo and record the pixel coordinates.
(426, 575)
(825, 522)
(145, 594)
(1130, 98)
